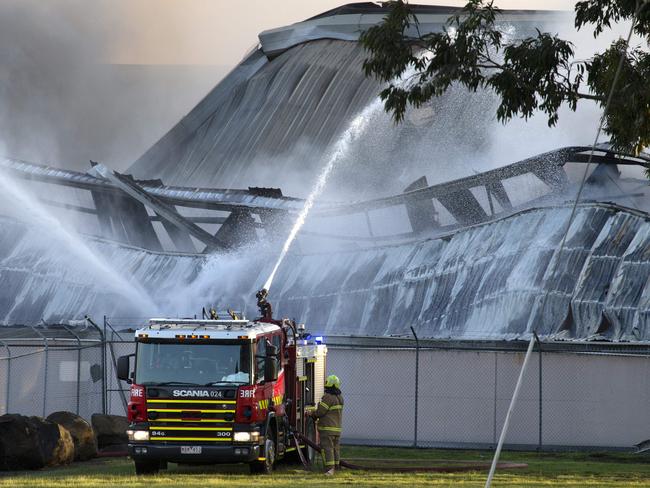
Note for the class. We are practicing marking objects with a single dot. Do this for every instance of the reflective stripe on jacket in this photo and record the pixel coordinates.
(330, 413)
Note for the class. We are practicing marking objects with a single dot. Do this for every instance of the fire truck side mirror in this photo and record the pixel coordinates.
(270, 369)
(124, 368)
(271, 350)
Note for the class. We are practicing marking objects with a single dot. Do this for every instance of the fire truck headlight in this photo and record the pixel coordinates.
(246, 436)
(242, 437)
(138, 435)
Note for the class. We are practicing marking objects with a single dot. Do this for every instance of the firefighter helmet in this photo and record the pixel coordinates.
(332, 381)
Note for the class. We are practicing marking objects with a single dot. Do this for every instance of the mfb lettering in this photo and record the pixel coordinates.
(246, 393)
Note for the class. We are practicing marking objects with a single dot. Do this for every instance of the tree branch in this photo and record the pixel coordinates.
(587, 96)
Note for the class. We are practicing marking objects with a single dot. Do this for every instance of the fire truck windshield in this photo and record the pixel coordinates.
(193, 364)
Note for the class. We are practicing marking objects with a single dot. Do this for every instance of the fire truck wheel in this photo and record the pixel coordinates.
(265, 466)
(146, 467)
(310, 433)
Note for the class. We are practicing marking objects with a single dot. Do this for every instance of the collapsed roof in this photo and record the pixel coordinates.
(492, 281)
(480, 258)
(276, 113)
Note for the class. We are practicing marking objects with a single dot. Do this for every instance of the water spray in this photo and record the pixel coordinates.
(354, 130)
(73, 245)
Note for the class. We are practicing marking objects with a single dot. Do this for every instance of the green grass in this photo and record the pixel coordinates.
(611, 470)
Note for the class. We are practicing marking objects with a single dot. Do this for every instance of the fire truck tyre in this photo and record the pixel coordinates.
(265, 466)
(146, 467)
(310, 433)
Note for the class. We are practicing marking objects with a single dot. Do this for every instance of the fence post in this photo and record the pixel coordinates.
(417, 386)
(104, 372)
(46, 361)
(78, 363)
(539, 346)
(6, 346)
(496, 377)
(102, 337)
(109, 346)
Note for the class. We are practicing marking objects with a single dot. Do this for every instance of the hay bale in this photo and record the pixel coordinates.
(33, 443)
(85, 444)
(110, 431)
(63, 452)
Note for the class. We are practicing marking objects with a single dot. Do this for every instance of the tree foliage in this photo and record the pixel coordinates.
(537, 73)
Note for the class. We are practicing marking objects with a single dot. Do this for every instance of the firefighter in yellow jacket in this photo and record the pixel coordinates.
(330, 415)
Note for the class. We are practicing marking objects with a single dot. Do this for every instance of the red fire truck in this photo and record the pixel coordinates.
(223, 390)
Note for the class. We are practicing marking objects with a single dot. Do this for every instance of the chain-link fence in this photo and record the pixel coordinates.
(397, 391)
(457, 394)
(44, 369)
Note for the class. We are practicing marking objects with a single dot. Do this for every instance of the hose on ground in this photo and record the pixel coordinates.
(475, 466)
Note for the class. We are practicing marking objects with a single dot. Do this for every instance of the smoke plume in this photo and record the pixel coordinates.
(62, 103)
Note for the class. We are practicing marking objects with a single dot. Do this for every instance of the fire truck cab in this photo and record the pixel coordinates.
(221, 391)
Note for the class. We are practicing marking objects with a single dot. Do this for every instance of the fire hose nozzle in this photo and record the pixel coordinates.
(266, 310)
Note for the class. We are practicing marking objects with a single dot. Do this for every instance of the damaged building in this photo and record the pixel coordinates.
(198, 220)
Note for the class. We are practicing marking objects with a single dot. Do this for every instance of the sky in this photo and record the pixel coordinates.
(105, 79)
(220, 31)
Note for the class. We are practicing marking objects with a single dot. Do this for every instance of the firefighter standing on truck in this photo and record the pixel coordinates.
(330, 415)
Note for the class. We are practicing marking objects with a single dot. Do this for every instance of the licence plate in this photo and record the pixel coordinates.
(190, 449)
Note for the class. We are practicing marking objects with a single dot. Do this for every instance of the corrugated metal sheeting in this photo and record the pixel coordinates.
(271, 119)
(488, 281)
(304, 94)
